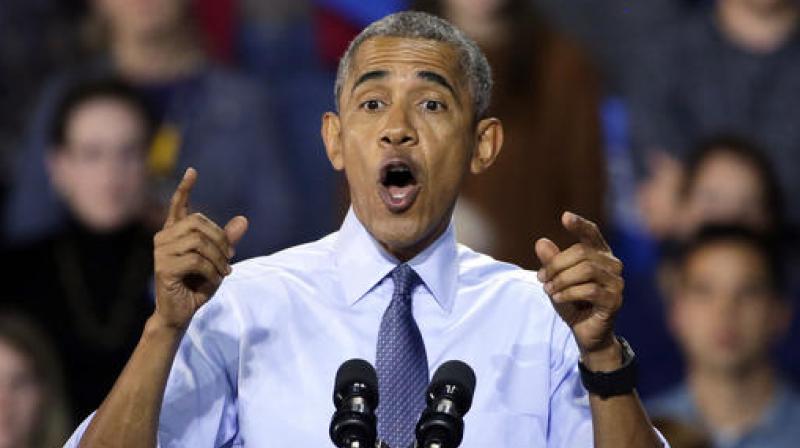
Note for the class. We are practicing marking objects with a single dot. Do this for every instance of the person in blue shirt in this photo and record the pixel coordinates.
(250, 360)
(728, 312)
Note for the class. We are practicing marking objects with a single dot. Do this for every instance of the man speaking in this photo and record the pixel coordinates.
(251, 361)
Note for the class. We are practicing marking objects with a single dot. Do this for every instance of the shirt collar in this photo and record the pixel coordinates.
(362, 262)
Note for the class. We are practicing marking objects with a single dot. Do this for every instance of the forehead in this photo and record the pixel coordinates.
(395, 54)
(725, 254)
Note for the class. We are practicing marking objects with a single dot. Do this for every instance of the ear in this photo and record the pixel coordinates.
(331, 136)
(489, 141)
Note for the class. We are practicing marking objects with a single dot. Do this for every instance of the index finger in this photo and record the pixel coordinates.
(179, 204)
(587, 231)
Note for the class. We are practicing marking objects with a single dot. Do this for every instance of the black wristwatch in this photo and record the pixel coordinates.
(618, 382)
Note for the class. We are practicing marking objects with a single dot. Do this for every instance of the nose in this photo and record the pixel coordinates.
(398, 130)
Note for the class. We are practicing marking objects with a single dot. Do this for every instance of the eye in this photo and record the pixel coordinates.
(433, 105)
(372, 105)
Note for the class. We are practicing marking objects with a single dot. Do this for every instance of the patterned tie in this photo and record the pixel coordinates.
(401, 364)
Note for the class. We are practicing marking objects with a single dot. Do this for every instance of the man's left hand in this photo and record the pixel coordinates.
(585, 285)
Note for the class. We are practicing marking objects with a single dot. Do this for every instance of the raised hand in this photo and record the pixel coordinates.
(584, 282)
(192, 256)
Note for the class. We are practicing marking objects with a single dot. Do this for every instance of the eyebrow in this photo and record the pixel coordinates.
(375, 74)
(424, 74)
(438, 79)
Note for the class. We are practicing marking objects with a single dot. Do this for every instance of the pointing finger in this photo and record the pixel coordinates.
(586, 231)
(179, 204)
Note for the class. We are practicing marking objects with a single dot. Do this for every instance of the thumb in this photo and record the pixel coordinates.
(235, 229)
(546, 250)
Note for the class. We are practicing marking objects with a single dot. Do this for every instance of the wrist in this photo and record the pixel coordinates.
(157, 327)
(606, 357)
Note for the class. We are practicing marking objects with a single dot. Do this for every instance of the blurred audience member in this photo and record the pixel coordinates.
(210, 118)
(36, 38)
(547, 96)
(728, 311)
(278, 45)
(89, 284)
(32, 411)
(734, 67)
(727, 181)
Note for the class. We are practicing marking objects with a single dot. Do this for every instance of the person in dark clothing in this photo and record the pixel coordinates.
(89, 283)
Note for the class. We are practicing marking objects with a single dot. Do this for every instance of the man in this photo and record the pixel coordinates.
(728, 313)
(257, 362)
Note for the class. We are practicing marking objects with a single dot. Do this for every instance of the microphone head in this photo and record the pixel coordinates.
(456, 380)
(356, 377)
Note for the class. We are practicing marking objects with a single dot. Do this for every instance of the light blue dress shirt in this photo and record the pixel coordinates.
(257, 364)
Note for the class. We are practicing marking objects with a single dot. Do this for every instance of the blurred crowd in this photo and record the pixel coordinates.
(672, 123)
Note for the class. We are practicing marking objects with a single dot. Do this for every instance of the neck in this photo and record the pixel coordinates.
(733, 402)
(758, 29)
(156, 57)
(486, 31)
(407, 253)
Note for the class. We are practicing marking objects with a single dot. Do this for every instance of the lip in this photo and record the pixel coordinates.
(399, 199)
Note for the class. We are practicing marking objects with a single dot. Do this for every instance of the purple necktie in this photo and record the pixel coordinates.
(402, 364)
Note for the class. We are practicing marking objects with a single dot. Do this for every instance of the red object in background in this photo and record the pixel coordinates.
(333, 34)
(216, 21)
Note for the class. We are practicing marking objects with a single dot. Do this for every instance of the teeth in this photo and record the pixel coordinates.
(398, 196)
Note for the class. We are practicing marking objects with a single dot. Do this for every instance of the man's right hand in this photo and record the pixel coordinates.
(192, 256)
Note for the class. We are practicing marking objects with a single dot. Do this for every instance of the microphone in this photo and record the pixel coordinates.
(449, 397)
(355, 395)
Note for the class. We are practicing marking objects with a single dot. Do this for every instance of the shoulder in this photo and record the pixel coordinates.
(509, 280)
(298, 264)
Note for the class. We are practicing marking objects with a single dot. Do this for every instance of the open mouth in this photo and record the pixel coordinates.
(398, 185)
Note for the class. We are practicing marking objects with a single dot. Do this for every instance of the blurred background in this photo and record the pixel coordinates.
(673, 123)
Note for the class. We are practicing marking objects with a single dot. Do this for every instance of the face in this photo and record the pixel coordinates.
(20, 398)
(405, 138)
(100, 172)
(727, 190)
(725, 313)
(142, 17)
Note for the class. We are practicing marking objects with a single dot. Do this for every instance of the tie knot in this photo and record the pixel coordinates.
(405, 279)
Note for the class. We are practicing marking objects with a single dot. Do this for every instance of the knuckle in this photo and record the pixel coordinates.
(587, 270)
(194, 259)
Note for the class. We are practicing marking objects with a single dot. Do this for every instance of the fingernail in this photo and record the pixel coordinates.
(540, 275)
(557, 297)
(228, 269)
(548, 287)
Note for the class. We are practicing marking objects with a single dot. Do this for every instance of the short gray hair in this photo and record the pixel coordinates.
(421, 25)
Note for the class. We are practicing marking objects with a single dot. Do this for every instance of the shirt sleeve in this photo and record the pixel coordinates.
(570, 420)
(199, 407)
